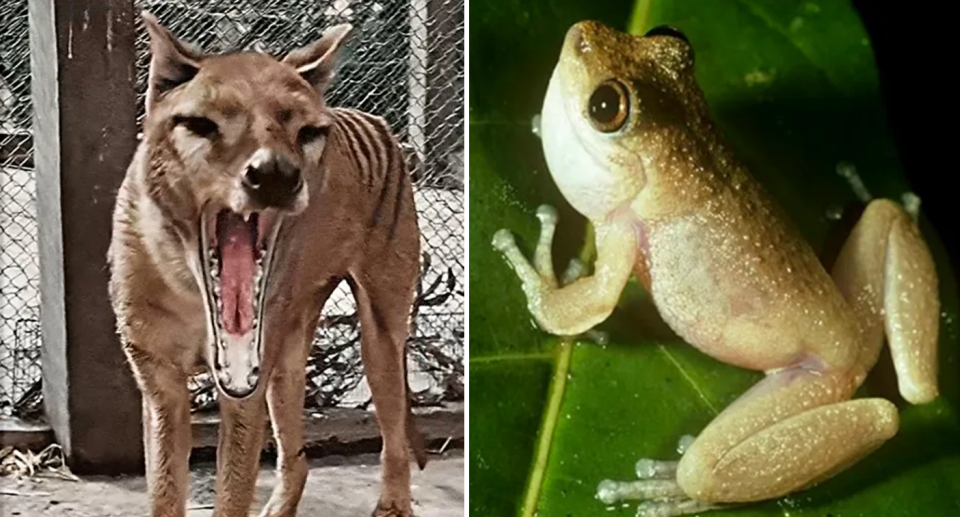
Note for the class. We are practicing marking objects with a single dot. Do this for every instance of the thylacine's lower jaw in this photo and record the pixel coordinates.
(235, 357)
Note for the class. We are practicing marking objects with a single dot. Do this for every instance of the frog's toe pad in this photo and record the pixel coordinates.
(547, 215)
(684, 443)
(503, 240)
(597, 336)
(911, 204)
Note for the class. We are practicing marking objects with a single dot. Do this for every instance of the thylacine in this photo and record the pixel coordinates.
(247, 202)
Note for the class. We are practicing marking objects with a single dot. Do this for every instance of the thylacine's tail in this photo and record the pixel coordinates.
(414, 436)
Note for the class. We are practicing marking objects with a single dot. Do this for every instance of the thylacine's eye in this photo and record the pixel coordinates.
(609, 106)
(200, 126)
(310, 134)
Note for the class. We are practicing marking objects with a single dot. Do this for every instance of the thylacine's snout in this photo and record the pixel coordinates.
(237, 365)
(239, 388)
(273, 181)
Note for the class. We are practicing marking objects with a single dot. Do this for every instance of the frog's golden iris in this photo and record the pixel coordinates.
(609, 106)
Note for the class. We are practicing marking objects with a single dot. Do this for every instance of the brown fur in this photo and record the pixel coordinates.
(359, 225)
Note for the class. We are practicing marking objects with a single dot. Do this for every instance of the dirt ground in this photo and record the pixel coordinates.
(336, 487)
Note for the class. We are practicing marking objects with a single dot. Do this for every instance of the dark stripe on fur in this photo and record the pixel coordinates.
(351, 146)
(360, 146)
(382, 165)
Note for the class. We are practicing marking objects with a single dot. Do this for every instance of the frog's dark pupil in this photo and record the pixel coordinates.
(605, 104)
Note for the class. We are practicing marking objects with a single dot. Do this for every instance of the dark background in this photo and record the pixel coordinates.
(911, 44)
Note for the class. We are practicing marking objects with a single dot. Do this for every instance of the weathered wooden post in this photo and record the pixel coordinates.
(83, 60)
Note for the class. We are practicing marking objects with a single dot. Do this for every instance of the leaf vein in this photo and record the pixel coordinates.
(689, 378)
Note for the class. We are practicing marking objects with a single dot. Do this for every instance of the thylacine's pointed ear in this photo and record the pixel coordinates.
(172, 61)
(316, 62)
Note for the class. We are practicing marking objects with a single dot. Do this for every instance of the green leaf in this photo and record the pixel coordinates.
(793, 87)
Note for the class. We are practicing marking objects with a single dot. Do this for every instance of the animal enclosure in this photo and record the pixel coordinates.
(404, 62)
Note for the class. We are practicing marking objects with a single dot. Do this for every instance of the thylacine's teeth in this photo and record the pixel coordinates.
(216, 290)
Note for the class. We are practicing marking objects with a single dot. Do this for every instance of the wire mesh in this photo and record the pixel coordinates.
(404, 62)
(19, 268)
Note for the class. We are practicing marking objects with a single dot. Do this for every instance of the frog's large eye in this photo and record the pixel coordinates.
(609, 106)
(666, 30)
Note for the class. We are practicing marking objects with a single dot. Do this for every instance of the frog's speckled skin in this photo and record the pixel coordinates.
(731, 275)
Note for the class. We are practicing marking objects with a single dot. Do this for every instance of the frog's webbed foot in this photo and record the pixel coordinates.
(656, 487)
(660, 494)
(540, 277)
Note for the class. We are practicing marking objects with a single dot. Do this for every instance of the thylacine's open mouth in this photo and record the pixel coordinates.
(235, 256)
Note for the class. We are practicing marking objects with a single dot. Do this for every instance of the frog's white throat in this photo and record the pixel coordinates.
(579, 156)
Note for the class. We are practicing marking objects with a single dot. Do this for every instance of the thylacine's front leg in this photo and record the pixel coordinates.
(285, 399)
(586, 301)
(166, 429)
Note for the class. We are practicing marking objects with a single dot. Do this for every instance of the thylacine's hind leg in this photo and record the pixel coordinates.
(285, 399)
(384, 301)
(166, 426)
(885, 270)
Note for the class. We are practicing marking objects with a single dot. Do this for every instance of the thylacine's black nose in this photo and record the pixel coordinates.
(272, 180)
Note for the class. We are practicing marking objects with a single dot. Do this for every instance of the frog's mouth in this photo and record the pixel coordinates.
(236, 252)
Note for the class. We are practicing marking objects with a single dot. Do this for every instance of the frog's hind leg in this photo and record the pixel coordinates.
(885, 270)
(793, 429)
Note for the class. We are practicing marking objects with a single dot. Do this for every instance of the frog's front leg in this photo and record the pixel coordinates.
(577, 307)
(793, 429)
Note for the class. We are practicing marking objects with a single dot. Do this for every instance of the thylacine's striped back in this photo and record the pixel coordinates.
(369, 143)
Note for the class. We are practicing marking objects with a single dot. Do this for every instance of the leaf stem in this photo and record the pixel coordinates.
(638, 20)
(557, 387)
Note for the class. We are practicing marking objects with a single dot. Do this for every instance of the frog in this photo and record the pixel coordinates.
(629, 140)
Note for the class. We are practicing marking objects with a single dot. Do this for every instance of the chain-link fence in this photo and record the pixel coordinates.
(404, 62)
(19, 265)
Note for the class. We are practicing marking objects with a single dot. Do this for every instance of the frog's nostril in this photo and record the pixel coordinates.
(576, 40)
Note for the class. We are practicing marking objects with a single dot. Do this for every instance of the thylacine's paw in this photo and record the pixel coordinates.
(539, 278)
(393, 510)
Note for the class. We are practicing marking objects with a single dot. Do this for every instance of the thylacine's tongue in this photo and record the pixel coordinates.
(236, 241)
